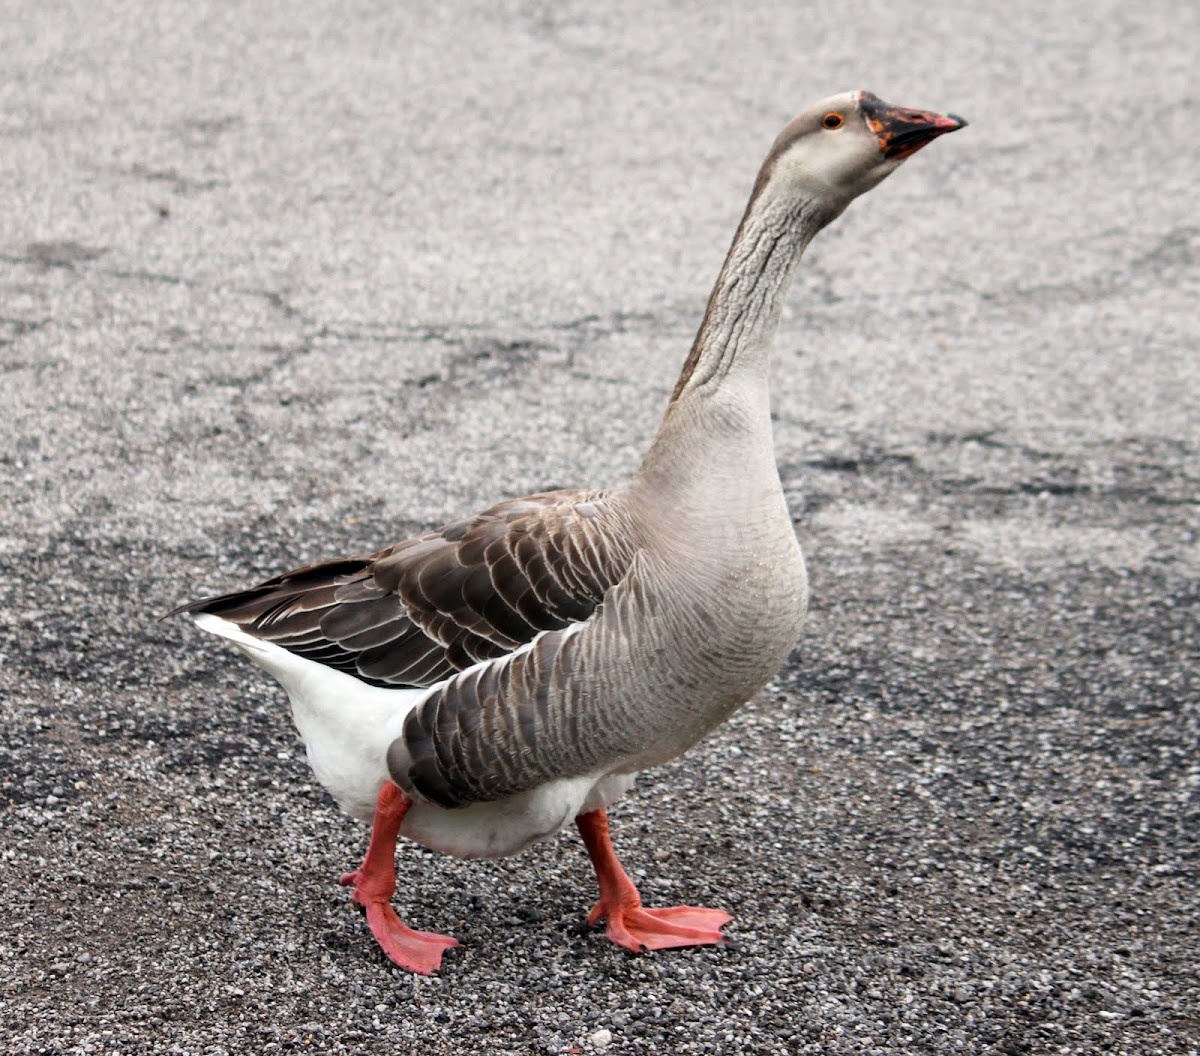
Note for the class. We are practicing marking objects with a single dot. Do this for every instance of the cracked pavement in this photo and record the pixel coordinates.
(276, 286)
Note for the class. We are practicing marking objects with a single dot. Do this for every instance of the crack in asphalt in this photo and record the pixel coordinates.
(16, 329)
(179, 184)
(1167, 459)
(1175, 251)
(480, 344)
(551, 28)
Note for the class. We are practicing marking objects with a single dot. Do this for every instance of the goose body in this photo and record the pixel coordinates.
(480, 686)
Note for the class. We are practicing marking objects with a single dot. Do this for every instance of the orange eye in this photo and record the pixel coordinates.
(833, 121)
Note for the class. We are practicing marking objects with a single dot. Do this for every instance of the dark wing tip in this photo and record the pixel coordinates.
(295, 580)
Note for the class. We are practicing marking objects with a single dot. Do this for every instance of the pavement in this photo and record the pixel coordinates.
(280, 283)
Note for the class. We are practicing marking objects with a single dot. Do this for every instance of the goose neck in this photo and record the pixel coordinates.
(721, 398)
(743, 309)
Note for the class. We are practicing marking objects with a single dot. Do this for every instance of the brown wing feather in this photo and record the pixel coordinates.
(414, 613)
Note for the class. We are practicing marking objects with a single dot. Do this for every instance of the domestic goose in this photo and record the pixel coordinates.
(479, 686)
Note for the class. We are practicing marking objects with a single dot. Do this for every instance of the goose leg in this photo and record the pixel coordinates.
(375, 882)
(629, 923)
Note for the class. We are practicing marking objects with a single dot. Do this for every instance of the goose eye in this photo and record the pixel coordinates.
(833, 121)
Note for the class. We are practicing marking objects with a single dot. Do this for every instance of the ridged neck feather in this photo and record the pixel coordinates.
(722, 389)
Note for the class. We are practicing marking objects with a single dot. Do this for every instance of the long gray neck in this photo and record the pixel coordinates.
(722, 392)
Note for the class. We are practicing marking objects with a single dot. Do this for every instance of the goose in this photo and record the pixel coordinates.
(478, 687)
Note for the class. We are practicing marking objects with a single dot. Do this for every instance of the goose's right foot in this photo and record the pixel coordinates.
(374, 884)
(630, 924)
(638, 929)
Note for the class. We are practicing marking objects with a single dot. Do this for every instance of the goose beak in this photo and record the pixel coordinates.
(901, 133)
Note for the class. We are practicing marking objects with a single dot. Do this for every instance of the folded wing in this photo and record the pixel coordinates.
(414, 613)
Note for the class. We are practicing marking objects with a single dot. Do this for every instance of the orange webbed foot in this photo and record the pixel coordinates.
(637, 928)
(415, 951)
(630, 924)
(374, 883)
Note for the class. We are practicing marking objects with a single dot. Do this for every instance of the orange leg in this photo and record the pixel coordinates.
(629, 923)
(375, 882)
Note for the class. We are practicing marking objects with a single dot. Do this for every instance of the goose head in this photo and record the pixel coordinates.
(843, 146)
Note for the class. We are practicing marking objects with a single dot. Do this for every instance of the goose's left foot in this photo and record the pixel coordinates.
(374, 884)
(630, 924)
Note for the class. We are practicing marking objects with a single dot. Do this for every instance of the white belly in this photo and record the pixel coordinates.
(506, 826)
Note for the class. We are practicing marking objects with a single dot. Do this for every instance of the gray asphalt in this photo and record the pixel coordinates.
(281, 284)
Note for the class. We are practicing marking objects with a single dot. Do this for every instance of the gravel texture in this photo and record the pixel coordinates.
(281, 283)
